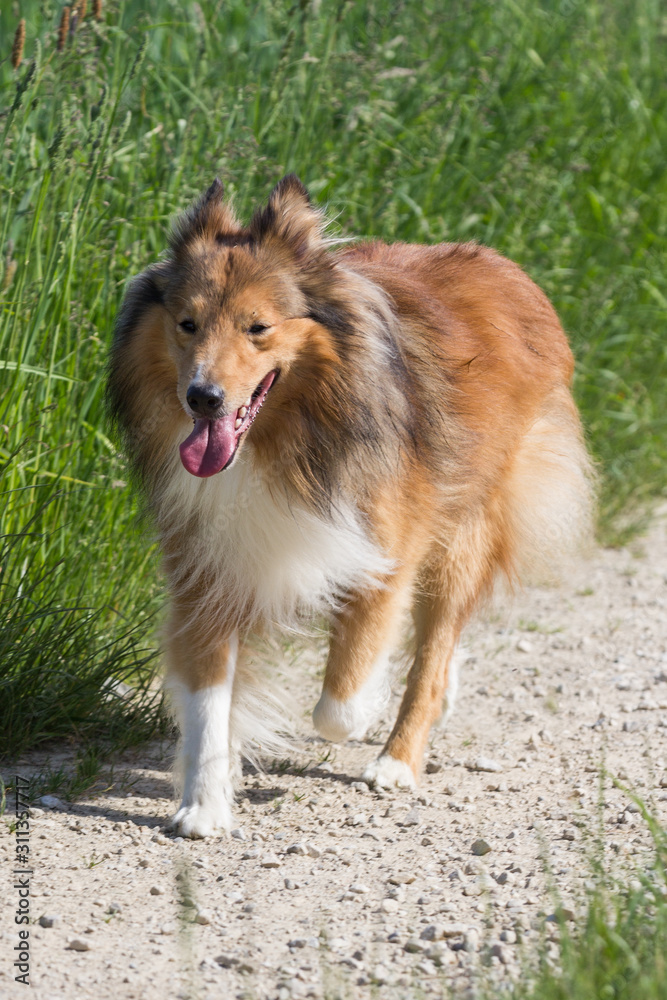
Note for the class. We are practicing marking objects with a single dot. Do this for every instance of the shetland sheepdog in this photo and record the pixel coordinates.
(362, 430)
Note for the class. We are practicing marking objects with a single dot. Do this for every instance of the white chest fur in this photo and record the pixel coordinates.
(241, 534)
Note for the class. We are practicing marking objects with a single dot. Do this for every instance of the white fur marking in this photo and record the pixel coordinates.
(206, 806)
(349, 720)
(387, 772)
(264, 554)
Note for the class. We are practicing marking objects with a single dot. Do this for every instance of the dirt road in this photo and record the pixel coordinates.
(328, 888)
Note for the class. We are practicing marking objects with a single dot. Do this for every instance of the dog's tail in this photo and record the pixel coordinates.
(550, 495)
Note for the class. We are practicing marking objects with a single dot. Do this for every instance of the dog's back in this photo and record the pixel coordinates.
(490, 361)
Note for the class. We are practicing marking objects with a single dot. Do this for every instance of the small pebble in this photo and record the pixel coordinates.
(412, 819)
(270, 861)
(451, 930)
(399, 878)
(76, 944)
(297, 849)
(52, 802)
(414, 946)
(226, 961)
(484, 764)
(156, 890)
(500, 951)
(475, 888)
(432, 933)
(480, 848)
(234, 897)
(49, 920)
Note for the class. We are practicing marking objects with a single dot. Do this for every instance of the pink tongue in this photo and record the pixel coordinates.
(210, 446)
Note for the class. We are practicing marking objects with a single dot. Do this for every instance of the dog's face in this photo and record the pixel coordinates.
(234, 328)
(236, 325)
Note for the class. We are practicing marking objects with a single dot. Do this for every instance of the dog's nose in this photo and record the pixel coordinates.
(205, 400)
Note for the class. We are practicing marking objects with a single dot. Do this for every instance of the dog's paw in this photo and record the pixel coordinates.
(202, 820)
(338, 720)
(388, 772)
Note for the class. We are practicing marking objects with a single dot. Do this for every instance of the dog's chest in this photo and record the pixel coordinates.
(265, 553)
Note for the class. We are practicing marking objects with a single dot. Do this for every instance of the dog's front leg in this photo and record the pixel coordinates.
(356, 683)
(201, 681)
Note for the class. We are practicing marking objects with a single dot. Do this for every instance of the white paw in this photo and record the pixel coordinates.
(339, 720)
(202, 820)
(387, 772)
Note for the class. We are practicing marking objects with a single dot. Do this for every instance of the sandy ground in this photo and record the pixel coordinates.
(329, 889)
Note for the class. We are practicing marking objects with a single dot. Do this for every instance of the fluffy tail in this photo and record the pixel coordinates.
(550, 497)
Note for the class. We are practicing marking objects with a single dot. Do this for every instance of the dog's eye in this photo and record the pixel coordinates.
(188, 325)
(258, 328)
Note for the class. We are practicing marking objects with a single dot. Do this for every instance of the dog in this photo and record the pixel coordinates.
(362, 430)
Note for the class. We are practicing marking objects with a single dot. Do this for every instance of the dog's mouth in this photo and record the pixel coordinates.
(213, 443)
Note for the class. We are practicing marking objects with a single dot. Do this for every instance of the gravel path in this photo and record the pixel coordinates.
(327, 888)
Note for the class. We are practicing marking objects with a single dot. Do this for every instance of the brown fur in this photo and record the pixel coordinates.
(428, 387)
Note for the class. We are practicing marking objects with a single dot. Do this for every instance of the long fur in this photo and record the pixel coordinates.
(419, 441)
(275, 562)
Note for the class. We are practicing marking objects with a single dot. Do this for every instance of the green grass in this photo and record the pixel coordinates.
(619, 953)
(537, 128)
(618, 949)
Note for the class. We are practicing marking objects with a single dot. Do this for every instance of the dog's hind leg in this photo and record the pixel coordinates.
(452, 688)
(201, 682)
(356, 683)
(448, 596)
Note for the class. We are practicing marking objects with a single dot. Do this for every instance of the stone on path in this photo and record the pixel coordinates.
(480, 848)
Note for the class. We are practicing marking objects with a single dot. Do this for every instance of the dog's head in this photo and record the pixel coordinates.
(236, 319)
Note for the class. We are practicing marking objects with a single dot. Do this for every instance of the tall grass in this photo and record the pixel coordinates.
(539, 129)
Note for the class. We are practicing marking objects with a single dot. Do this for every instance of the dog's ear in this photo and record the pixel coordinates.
(216, 192)
(209, 217)
(290, 217)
